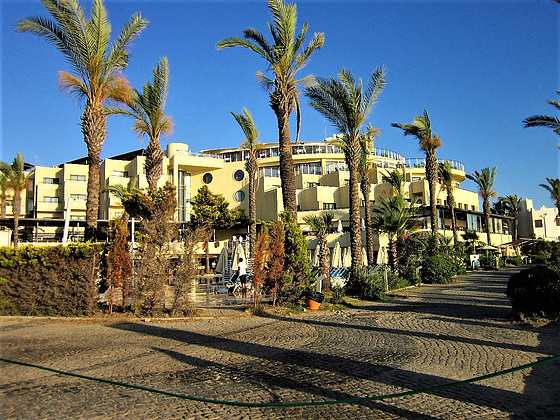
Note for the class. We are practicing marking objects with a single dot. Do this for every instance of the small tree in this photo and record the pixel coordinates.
(275, 272)
(261, 258)
(119, 262)
(322, 224)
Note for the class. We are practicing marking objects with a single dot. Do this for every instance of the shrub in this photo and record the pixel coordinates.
(539, 259)
(366, 283)
(535, 290)
(438, 270)
(515, 261)
(337, 295)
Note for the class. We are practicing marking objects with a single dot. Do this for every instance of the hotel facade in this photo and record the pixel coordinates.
(322, 181)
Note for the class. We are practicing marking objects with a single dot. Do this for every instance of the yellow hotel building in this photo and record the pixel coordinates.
(59, 192)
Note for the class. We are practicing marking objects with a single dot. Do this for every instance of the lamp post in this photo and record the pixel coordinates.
(544, 224)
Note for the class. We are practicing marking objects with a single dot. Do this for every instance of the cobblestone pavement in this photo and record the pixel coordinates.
(432, 336)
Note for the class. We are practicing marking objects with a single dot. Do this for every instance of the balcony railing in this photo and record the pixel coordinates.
(421, 163)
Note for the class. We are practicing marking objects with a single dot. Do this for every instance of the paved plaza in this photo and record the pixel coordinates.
(433, 335)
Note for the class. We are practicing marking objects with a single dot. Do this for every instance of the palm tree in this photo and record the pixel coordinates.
(148, 111)
(510, 204)
(120, 190)
(485, 181)
(17, 180)
(322, 225)
(394, 217)
(347, 106)
(421, 128)
(285, 60)
(97, 73)
(397, 181)
(365, 168)
(545, 121)
(554, 188)
(445, 177)
(251, 144)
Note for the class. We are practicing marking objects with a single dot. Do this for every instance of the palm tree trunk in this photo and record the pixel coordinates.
(515, 224)
(431, 175)
(154, 163)
(94, 129)
(486, 208)
(394, 257)
(366, 191)
(252, 170)
(353, 161)
(451, 203)
(16, 207)
(324, 260)
(282, 109)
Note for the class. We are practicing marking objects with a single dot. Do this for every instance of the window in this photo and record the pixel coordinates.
(207, 178)
(122, 174)
(81, 178)
(416, 178)
(50, 200)
(312, 184)
(239, 175)
(329, 206)
(51, 181)
(311, 168)
(77, 217)
(538, 223)
(78, 197)
(10, 203)
(239, 196)
(270, 171)
(184, 197)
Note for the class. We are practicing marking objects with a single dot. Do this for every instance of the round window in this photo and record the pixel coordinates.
(239, 196)
(239, 175)
(207, 178)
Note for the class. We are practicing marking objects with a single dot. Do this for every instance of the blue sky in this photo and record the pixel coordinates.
(479, 68)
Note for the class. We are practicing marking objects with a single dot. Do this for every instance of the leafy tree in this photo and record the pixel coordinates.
(485, 181)
(510, 204)
(421, 128)
(148, 110)
(96, 77)
(276, 262)
(251, 144)
(210, 212)
(297, 269)
(261, 259)
(347, 106)
(553, 188)
(286, 57)
(16, 180)
(394, 218)
(445, 175)
(322, 225)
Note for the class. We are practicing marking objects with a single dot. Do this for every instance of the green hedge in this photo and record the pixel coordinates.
(58, 280)
(438, 270)
(535, 290)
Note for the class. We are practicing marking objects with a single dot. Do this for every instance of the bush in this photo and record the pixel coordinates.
(366, 283)
(438, 270)
(517, 262)
(337, 295)
(539, 259)
(535, 290)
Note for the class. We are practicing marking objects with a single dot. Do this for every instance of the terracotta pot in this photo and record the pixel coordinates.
(311, 304)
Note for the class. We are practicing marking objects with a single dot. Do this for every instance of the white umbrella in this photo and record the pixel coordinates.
(339, 229)
(315, 258)
(336, 260)
(238, 252)
(381, 255)
(221, 265)
(364, 256)
(347, 257)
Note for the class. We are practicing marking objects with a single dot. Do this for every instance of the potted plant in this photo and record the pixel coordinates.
(314, 299)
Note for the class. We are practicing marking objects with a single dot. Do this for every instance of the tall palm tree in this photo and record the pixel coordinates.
(322, 225)
(445, 177)
(148, 111)
(347, 106)
(510, 204)
(485, 181)
(17, 180)
(421, 128)
(544, 120)
(96, 75)
(365, 169)
(553, 188)
(394, 217)
(285, 60)
(251, 144)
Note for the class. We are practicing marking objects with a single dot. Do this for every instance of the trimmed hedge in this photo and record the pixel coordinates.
(535, 290)
(59, 280)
